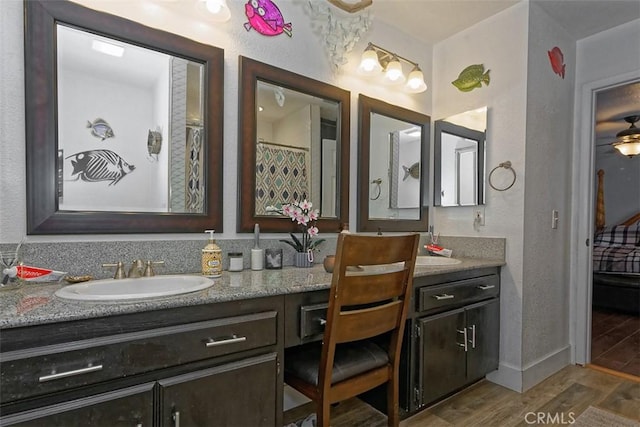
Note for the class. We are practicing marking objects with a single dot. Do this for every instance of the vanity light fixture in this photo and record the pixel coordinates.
(376, 59)
(219, 10)
(107, 48)
(628, 140)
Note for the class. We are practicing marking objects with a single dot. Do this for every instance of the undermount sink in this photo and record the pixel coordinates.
(115, 290)
(435, 260)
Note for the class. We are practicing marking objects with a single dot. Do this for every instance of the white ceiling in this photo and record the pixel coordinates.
(434, 20)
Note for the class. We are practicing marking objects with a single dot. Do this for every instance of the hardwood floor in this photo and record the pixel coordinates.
(566, 394)
(573, 389)
(615, 341)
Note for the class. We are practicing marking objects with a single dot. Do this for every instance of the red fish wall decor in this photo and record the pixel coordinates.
(557, 61)
(265, 17)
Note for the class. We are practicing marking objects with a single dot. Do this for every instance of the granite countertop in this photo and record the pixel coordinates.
(33, 304)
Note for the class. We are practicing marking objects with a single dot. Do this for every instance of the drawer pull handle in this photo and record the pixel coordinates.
(176, 418)
(443, 296)
(486, 287)
(322, 321)
(234, 339)
(66, 374)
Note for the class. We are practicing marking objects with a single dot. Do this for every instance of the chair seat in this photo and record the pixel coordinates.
(350, 359)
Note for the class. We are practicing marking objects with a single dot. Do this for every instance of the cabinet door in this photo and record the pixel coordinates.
(129, 407)
(483, 335)
(442, 357)
(241, 393)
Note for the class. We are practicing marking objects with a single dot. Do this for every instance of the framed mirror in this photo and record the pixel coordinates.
(123, 125)
(294, 145)
(393, 165)
(459, 163)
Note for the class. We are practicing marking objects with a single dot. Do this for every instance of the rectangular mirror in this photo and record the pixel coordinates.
(393, 166)
(124, 125)
(459, 164)
(294, 145)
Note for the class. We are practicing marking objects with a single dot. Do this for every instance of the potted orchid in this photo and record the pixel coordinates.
(303, 214)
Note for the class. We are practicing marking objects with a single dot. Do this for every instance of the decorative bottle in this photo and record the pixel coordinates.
(211, 258)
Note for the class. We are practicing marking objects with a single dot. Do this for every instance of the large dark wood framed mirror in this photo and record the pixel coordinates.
(123, 125)
(393, 166)
(459, 157)
(294, 145)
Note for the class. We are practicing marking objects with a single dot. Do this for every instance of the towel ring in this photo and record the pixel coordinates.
(506, 165)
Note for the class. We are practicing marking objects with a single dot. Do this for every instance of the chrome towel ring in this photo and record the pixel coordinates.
(506, 165)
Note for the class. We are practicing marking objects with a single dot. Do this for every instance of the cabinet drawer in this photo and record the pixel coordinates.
(454, 294)
(312, 320)
(36, 371)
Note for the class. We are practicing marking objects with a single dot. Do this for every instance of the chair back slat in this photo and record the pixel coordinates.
(356, 325)
(363, 289)
(373, 250)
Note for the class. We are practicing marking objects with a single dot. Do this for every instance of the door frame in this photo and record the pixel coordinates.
(583, 200)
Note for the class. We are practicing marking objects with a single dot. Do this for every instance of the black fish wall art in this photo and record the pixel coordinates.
(100, 129)
(99, 165)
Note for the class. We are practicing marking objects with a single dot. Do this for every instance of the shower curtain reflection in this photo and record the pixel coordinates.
(193, 174)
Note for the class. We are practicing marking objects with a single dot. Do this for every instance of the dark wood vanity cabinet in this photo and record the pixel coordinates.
(198, 372)
(457, 331)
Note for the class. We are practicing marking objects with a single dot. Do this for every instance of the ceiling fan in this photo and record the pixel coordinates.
(628, 140)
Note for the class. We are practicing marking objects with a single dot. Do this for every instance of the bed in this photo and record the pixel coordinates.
(616, 262)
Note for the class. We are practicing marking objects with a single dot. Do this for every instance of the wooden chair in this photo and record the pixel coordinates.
(367, 301)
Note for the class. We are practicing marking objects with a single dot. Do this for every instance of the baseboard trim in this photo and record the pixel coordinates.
(521, 380)
(624, 375)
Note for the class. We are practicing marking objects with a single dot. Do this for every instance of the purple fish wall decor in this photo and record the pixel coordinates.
(265, 17)
(556, 58)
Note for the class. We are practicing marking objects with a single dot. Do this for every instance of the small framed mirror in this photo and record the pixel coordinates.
(459, 164)
(392, 167)
(123, 125)
(294, 145)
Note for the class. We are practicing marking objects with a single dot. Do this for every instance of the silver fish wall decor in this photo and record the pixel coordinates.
(99, 165)
(100, 129)
(412, 171)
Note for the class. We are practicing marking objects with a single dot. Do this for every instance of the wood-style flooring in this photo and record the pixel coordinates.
(615, 341)
(567, 393)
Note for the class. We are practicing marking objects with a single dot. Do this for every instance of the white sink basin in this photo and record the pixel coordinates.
(435, 260)
(115, 290)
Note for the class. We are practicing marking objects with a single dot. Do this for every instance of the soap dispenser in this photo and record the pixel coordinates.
(211, 258)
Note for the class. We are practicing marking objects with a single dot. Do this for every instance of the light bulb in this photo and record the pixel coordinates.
(415, 82)
(218, 9)
(393, 73)
(369, 64)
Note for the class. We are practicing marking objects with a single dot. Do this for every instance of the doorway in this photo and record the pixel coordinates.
(585, 156)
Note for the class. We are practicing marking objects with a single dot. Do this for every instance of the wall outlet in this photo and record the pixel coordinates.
(478, 216)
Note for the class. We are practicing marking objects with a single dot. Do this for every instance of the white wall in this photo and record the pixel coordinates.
(505, 96)
(545, 335)
(129, 110)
